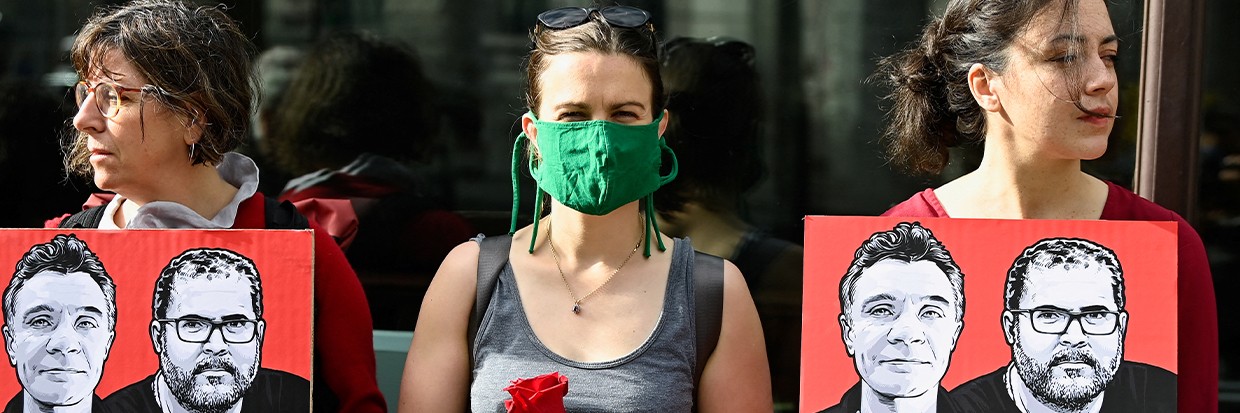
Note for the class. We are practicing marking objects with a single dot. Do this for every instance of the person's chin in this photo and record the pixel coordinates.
(58, 395)
(105, 180)
(901, 390)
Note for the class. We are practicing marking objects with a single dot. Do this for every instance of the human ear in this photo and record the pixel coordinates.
(1009, 327)
(663, 122)
(194, 126)
(531, 131)
(156, 333)
(8, 345)
(261, 328)
(846, 333)
(956, 336)
(983, 85)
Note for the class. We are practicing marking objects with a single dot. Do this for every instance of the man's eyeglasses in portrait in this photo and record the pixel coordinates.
(1056, 321)
(198, 330)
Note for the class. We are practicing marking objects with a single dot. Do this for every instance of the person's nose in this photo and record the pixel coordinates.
(1099, 76)
(907, 329)
(88, 119)
(1074, 335)
(64, 340)
(215, 343)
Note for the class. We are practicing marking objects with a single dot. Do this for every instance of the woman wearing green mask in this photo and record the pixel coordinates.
(575, 295)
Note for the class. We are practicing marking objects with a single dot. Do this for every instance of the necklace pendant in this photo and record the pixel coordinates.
(576, 308)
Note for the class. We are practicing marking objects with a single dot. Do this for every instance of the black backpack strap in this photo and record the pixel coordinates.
(708, 307)
(282, 215)
(88, 218)
(492, 254)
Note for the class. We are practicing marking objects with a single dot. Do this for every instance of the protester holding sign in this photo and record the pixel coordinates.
(576, 298)
(165, 98)
(1034, 81)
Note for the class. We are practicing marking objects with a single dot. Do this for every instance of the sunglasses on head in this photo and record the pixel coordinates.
(616, 16)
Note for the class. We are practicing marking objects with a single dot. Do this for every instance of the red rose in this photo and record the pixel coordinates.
(542, 394)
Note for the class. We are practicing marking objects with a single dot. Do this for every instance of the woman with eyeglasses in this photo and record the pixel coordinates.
(1035, 82)
(592, 290)
(164, 99)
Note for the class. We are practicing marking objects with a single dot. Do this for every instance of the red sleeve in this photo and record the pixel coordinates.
(921, 204)
(344, 337)
(1198, 320)
(1198, 316)
(55, 222)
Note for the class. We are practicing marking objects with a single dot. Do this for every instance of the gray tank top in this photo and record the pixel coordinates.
(657, 377)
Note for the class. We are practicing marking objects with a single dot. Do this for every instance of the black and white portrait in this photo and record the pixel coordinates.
(1065, 320)
(902, 304)
(207, 329)
(59, 325)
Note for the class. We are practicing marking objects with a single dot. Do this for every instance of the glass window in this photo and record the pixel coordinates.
(821, 120)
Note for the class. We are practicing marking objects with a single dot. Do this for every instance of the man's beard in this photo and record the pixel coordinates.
(207, 398)
(1073, 392)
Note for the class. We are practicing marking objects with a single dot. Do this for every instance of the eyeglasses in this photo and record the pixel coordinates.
(617, 16)
(198, 330)
(1055, 321)
(107, 96)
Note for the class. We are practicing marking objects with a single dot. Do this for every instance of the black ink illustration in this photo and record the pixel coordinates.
(1065, 320)
(207, 328)
(902, 304)
(59, 324)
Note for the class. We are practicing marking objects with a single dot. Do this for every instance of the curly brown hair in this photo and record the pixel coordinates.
(195, 60)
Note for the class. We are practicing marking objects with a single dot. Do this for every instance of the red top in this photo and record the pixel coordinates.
(1198, 316)
(344, 354)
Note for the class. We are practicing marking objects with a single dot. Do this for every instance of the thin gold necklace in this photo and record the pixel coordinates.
(571, 294)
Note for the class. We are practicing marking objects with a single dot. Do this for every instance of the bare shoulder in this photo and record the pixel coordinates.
(458, 274)
(450, 296)
(737, 376)
(734, 286)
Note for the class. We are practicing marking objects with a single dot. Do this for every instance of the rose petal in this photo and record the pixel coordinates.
(541, 394)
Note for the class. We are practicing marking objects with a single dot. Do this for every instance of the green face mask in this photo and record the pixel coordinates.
(597, 166)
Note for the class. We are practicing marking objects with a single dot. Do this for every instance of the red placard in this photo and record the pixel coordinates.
(134, 259)
(984, 250)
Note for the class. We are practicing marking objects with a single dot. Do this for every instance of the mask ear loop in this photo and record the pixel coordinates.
(538, 203)
(516, 192)
(652, 222)
(649, 201)
(516, 183)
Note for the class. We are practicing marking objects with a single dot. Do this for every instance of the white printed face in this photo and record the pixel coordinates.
(902, 327)
(1070, 368)
(59, 337)
(213, 373)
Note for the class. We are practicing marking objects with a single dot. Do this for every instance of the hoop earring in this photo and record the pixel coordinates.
(191, 151)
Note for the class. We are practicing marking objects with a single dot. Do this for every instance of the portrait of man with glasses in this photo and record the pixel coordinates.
(1065, 321)
(207, 328)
